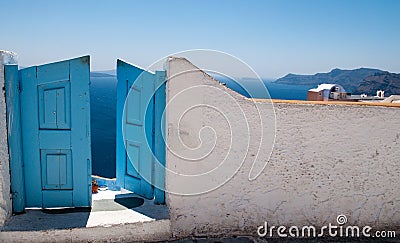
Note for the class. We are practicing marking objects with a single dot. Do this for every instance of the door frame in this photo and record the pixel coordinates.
(12, 85)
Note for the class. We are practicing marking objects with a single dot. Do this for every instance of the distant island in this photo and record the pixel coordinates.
(357, 81)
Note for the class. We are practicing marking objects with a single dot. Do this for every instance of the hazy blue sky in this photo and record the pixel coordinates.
(274, 37)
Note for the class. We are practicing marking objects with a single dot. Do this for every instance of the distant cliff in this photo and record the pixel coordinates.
(349, 79)
(389, 82)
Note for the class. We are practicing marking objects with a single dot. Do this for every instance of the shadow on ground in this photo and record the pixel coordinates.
(67, 218)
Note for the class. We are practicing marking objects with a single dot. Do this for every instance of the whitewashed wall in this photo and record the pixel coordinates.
(5, 201)
(327, 160)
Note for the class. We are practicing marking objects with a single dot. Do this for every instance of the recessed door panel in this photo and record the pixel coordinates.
(56, 169)
(55, 105)
(132, 162)
(134, 107)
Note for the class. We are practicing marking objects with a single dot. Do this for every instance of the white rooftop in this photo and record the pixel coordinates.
(328, 87)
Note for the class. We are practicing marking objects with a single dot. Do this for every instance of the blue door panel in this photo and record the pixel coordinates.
(135, 129)
(135, 167)
(80, 127)
(55, 112)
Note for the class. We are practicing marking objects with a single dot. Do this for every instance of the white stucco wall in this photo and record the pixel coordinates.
(327, 160)
(5, 201)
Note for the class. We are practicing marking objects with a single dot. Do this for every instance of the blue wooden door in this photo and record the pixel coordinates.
(140, 153)
(55, 121)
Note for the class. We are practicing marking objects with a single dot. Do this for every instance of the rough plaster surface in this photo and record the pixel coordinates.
(5, 201)
(327, 160)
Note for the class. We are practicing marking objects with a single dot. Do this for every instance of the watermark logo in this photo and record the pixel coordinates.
(341, 219)
(339, 229)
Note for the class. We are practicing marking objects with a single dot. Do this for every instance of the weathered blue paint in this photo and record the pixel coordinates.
(14, 137)
(55, 107)
(136, 130)
(159, 142)
(80, 127)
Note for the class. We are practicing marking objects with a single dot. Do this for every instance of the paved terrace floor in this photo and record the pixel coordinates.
(108, 208)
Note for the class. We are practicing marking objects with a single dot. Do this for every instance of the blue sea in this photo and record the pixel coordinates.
(103, 108)
(258, 89)
(103, 98)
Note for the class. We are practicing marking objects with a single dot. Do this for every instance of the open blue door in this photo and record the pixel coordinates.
(55, 121)
(140, 146)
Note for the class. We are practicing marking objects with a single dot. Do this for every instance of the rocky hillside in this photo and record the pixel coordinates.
(349, 79)
(389, 82)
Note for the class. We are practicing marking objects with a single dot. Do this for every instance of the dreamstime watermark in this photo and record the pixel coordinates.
(331, 230)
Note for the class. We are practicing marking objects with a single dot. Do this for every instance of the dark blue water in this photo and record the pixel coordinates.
(287, 92)
(103, 113)
(268, 89)
(103, 98)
